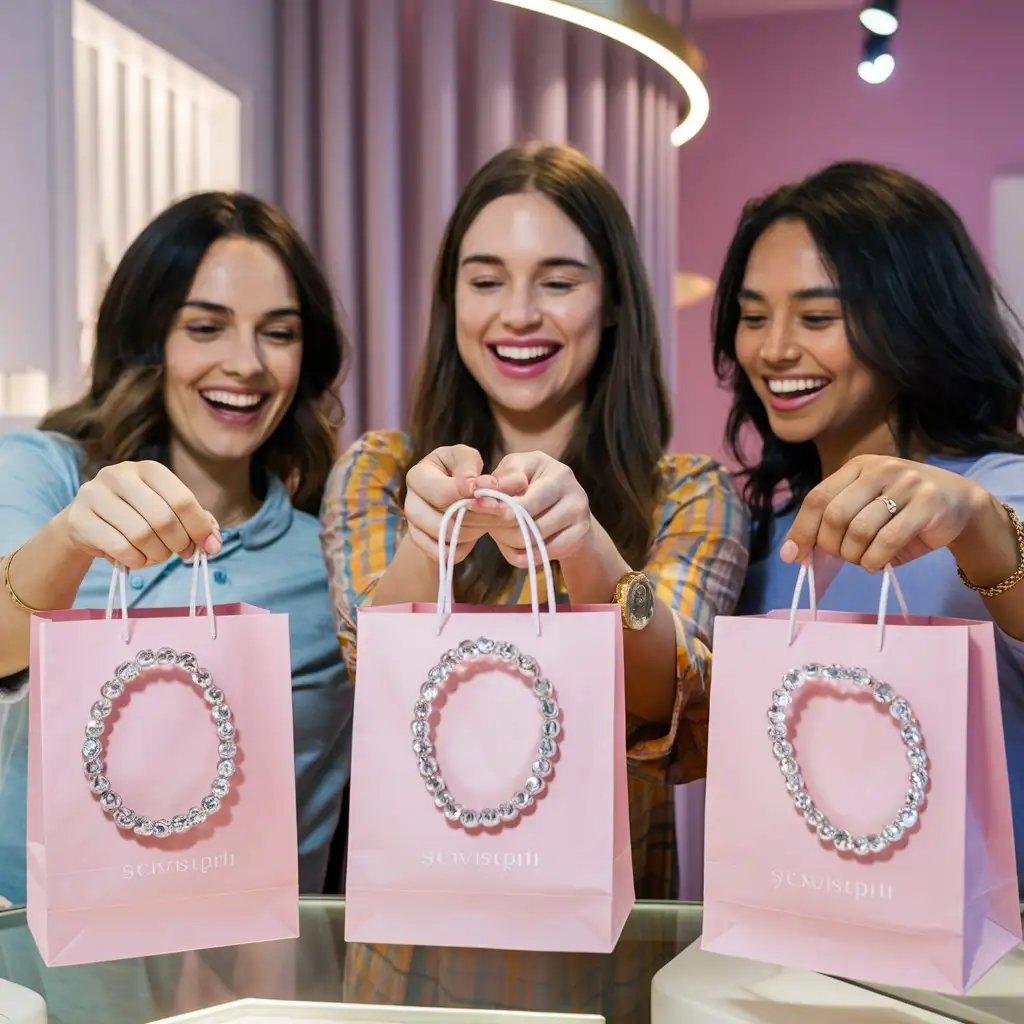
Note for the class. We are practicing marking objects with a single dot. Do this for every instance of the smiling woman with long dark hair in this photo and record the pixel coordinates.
(541, 377)
(867, 346)
(204, 425)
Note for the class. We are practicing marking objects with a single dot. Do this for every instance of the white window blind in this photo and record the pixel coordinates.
(149, 129)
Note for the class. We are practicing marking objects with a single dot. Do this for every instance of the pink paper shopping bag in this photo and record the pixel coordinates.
(858, 810)
(161, 785)
(488, 796)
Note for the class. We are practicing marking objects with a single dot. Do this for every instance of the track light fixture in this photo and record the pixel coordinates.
(881, 17)
(877, 62)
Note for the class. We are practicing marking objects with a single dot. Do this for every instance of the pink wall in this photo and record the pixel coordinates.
(786, 99)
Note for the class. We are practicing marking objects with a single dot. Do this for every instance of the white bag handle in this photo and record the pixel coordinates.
(888, 581)
(119, 582)
(446, 560)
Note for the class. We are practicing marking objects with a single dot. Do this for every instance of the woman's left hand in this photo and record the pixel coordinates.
(550, 492)
(879, 510)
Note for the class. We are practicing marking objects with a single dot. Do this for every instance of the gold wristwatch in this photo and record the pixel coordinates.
(634, 594)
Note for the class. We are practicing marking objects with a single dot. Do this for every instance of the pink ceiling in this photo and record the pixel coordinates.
(708, 10)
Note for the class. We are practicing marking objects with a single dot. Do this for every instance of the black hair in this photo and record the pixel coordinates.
(920, 309)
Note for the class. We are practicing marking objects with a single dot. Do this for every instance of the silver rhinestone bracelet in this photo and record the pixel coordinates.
(491, 818)
(902, 714)
(92, 749)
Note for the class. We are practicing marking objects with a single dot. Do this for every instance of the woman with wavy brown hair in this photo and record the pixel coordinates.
(204, 426)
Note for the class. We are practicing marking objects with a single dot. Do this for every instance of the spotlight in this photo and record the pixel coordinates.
(881, 17)
(878, 63)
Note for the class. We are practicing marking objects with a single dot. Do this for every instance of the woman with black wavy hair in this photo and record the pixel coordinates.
(867, 346)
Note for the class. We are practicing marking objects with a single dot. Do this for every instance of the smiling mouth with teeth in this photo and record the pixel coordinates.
(524, 355)
(233, 401)
(796, 387)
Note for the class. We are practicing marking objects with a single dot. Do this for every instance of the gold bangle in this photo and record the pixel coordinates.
(18, 603)
(1011, 581)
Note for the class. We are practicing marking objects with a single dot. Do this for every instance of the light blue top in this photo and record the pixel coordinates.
(273, 561)
(931, 587)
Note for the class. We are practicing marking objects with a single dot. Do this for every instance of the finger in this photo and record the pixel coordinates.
(195, 520)
(462, 463)
(120, 532)
(424, 517)
(479, 522)
(561, 516)
(161, 518)
(561, 545)
(515, 471)
(898, 541)
(469, 485)
(844, 508)
(431, 483)
(803, 534)
(509, 537)
(111, 544)
(862, 530)
(543, 494)
(526, 462)
(511, 481)
(488, 505)
(427, 521)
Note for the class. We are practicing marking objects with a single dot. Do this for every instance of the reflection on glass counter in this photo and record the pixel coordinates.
(319, 967)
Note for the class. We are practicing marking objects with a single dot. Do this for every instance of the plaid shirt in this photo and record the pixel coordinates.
(697, 564)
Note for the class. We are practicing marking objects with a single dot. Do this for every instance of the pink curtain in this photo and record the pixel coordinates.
(388, 106)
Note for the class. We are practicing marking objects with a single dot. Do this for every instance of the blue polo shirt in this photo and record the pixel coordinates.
(273, 561)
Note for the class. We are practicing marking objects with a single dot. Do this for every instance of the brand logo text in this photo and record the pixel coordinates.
(830, 884)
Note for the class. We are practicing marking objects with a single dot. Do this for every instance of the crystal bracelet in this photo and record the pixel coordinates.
(835, 838)
(92, 748)
(492, 818)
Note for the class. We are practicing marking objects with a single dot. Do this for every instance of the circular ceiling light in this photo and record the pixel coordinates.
(636, 26)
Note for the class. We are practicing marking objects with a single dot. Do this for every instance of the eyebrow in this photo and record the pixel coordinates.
(216, 307)
(554, 261)
(827, 292)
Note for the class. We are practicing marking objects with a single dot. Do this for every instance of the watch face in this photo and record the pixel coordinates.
(640, 602)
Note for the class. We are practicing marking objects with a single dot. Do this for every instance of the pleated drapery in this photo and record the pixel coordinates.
(388, 106)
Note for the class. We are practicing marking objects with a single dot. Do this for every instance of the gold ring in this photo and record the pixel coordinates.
(891, 507)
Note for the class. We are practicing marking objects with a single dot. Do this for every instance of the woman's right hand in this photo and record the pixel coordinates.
(445, 476)
(139, 514)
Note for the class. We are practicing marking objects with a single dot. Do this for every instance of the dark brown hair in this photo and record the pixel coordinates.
(123, 418)
(626, 422)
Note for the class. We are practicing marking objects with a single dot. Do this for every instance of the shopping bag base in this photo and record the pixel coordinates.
(587, 923)
(66, 938)
(846, 951)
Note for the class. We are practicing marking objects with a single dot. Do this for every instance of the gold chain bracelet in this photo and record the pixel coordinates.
(18, 603)
(1011, 581)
